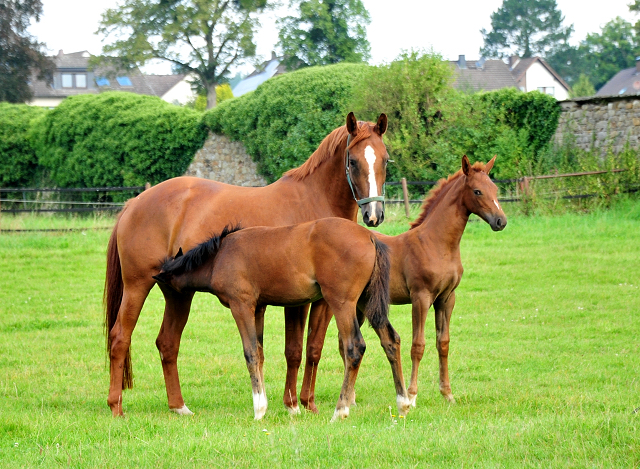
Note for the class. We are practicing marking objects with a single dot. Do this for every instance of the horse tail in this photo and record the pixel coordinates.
(377, 291)
(112, 298)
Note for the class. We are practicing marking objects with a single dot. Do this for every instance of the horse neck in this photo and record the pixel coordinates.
(329, 182)
(447, 220)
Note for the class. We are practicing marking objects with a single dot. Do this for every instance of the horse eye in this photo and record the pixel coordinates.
(477, 192)
(353, 163)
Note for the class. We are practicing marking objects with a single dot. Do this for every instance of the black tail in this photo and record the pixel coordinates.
(377, 291)
(195, 257)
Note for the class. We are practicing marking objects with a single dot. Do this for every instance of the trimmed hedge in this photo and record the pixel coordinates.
(18, 161)
(282, 123)
(117, 139)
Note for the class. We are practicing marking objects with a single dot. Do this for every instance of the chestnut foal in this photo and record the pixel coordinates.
(331, 258)
(426, 268)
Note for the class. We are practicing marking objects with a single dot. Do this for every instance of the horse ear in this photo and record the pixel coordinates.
(489, 165)
(466, 166)
(381, 125)
(179, 253)
(352, 124)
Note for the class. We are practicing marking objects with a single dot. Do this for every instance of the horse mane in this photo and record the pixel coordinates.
(327, 148)
(198, 256)
(436, 194)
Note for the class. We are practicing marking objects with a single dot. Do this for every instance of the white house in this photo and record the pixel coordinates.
(534, 73)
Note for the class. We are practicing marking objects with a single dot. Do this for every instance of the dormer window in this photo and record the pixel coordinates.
(67, 80)
(74, 80)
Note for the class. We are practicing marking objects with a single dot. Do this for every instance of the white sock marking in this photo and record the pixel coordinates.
(259, 405)
(340, 414)
(184, 410)
(403, 404)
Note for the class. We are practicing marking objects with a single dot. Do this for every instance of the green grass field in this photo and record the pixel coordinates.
(544, 362)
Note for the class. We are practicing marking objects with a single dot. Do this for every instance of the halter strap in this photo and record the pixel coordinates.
(361, 202)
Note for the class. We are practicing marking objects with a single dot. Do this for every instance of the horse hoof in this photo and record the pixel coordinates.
(340, 414)
(259, 405)
(449, 398)
(412, 399)
(293, 410)
(404, 404)
(184, 410)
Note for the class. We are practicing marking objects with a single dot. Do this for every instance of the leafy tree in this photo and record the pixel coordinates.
(326, 32)
(20, 54)
(216, 33)
(525, 28)
(600, 55)
(583, 87)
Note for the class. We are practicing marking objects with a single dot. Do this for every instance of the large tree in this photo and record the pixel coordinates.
(325, 32)
(21, 55)
(525, 28)
(202, 37)
(600, 55)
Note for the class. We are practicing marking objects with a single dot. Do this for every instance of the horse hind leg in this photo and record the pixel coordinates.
(133, 298)
(319, 319)
(176, 314)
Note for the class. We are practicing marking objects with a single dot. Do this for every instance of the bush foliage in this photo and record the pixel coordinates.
(18, 161)
(117, 139)
(282, 123)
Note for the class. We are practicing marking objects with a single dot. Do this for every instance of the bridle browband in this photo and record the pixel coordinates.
(361, 202)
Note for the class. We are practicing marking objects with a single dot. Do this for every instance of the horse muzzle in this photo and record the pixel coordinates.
(372, 213)
(497, 223)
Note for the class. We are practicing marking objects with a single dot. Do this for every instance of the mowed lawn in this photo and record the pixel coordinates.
(544, 363)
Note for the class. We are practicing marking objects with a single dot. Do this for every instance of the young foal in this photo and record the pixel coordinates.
(331, 258)
(426, 267)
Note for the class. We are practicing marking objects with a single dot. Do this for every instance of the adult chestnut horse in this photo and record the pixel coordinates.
(425, 268)
(332, 258)
(184, 211)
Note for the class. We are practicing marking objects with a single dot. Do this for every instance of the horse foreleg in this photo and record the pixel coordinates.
(443, 309)
(246, 322)
(294, 320)
(176, 314)
(390, 341)
(319, 319)
(419, 310)
(260, 337)
(120, 336)
(354, 348)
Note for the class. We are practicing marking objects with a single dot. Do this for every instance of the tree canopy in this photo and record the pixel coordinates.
(202, 37)
(525, 28)
(21, 55)
(325, 32)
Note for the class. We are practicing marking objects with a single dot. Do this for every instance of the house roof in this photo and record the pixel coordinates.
(486, 75)
(154, 85)
(522, 65)
(268, 69)
(624, 83)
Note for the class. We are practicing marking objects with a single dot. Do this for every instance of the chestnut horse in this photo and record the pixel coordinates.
(184, 211)
(426, 268)
(331, 258)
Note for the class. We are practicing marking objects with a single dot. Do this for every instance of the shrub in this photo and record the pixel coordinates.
(282, 123)
(117, 139)
(18, 161)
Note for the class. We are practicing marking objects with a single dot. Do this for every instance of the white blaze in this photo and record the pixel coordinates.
(370, 156)
(497, 205)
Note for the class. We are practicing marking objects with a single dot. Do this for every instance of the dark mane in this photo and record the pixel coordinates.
(436, 194)
(328, 147)
(199, 255)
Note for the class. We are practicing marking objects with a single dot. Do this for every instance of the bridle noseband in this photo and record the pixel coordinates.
(361, 202)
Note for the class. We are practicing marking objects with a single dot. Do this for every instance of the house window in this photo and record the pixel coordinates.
(67, 80)
(102, 81)
(124, 81)
(81, 80)
(550, 90)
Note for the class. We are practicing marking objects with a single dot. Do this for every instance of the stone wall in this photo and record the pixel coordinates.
(222, 160)
(607, 122)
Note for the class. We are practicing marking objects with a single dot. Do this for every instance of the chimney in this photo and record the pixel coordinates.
(462, 63)
(637, 64)
(60, 53)
(513, 61)
(273, 55)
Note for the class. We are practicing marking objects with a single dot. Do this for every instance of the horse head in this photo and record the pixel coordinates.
(481, 194)
(366, 166)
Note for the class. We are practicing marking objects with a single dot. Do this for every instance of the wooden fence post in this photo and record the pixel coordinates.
(147, 186)
(405, 195)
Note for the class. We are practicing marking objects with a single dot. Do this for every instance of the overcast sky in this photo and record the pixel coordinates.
(450, 27)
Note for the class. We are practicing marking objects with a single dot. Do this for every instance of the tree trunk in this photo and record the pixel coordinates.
(211, 96)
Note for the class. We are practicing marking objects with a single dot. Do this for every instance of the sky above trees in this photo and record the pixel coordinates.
(451, 28)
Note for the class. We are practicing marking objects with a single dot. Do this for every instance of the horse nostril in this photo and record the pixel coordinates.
(499, 222)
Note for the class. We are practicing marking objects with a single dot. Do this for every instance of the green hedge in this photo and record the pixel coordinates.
(18, 161)
(117, 139)
(282, 123)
